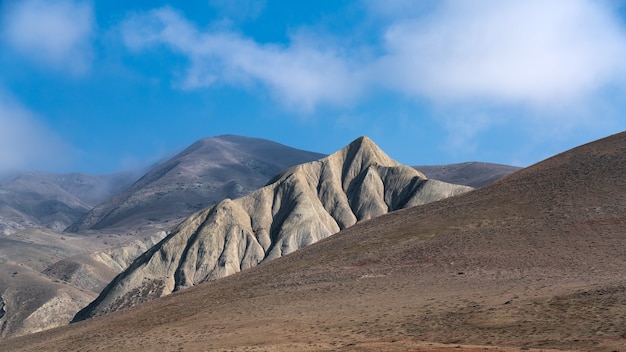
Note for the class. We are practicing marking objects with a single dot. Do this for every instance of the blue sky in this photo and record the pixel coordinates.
(104, 86)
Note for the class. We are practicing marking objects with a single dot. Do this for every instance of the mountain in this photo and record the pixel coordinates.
(298, 207)
(37, 291)
(533, 262)
(203, 174)
(474, 174)
(53, 201)
(47, 276)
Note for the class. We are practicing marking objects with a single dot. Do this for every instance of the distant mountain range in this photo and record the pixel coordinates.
(53, 201)
(474, 174)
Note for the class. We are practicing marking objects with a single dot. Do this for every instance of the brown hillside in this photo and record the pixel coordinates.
(535, 260)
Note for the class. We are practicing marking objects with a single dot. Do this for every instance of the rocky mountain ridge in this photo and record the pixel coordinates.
(298, 207)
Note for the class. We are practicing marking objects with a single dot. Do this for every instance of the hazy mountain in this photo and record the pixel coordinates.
(53, 200)
(205, 173)
(298, 207)
(474, 174)
(533, 261)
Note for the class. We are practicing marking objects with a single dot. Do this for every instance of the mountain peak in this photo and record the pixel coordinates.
(361, 154)
(363, 143)
(362, 139)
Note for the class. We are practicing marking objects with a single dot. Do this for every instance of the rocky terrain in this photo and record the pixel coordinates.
(203, 174)
(534, 261)
(298, 207)
(46, 276)
(54, 201)
(474, 174)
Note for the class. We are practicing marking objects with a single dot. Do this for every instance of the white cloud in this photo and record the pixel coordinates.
(56, 34)
(534, 52)
(530, 53)
(301, 75)
(25, 142)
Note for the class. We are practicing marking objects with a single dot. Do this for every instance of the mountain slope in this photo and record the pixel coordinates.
(46, 276)
(53, 201)
(535, 260)
(474, 174)
(298, 207)
(206, 172)
(30, 301)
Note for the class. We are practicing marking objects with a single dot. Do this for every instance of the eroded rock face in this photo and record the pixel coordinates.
(298, 207)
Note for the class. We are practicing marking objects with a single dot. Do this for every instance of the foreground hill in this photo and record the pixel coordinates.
(298, 207)
(534, 260)
(54, 201)
(205, 173)
(474, 174)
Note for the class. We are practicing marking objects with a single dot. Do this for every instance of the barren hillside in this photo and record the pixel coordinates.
(535, 260)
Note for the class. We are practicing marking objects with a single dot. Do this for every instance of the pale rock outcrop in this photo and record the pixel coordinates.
(298, 207)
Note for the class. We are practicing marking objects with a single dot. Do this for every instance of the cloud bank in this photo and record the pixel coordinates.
(55, 34)
(300, 75)
(530, 52)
